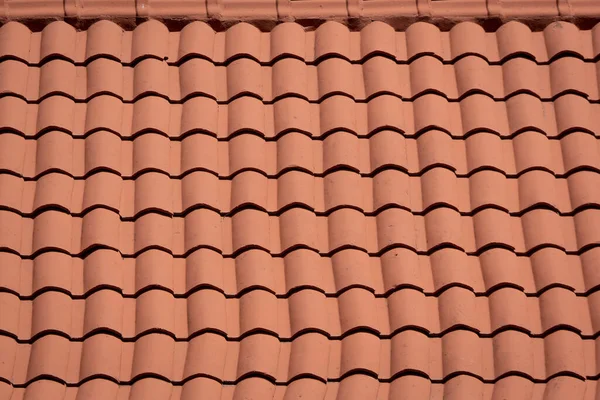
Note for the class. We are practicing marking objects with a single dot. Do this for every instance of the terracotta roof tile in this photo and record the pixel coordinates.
(289, 41)
(334, 214)
(278, 10)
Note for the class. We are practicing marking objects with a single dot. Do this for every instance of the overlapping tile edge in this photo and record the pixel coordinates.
(537, 299)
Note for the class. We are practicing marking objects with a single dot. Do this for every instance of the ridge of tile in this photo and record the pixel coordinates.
(267, 13)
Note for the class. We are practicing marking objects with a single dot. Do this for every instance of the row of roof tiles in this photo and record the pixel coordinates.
(57, 151)
(152, 39)
(437, 187)
(307, 310)
(352, 387)
(293, 78)
(300, 269)
(310, 355)
(298, 228)
(475, 112)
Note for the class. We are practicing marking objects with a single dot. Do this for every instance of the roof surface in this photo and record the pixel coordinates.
(285, 215)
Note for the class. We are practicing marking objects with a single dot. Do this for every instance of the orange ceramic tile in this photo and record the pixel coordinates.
(201, 115)
(306, 310)
(89, 9)
(284, 10)
(299, 269)
(314, 210)
(359, 355)
(297, 226)
(404, 387)
(289, 77)
(331, 38)
(185, 8)
(25, 9)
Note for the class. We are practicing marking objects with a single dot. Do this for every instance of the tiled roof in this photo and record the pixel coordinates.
(317, 215)
(277, 10)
